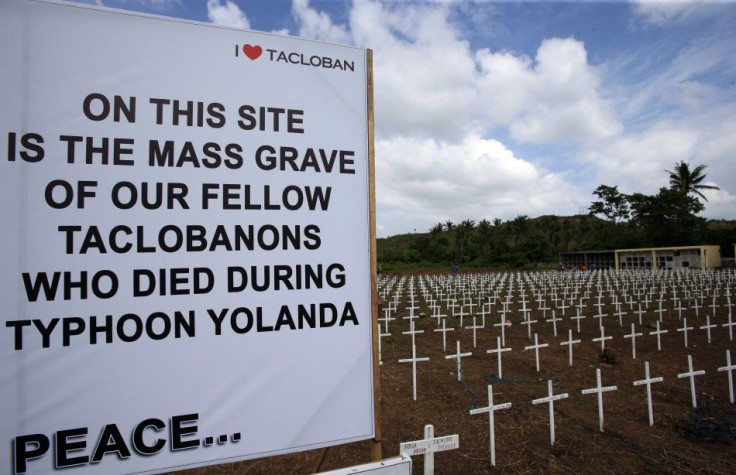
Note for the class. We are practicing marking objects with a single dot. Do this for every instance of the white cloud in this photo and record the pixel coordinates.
(430, 83)
(226, 14)
(659, 12)
(554, 98)
(438, 101)
(420, 182)
(424, 74)
(636, 162)
(317, 25)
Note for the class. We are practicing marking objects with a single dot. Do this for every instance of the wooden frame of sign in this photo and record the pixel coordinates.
(376, 450)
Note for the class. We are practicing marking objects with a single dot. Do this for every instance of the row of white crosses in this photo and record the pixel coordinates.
(598, 390)
(411, 307)
(450, 295)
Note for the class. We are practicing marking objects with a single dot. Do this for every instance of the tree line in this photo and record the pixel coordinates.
(614, 221)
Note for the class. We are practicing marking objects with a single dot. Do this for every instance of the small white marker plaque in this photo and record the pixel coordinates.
(428, 446)
(438, 444)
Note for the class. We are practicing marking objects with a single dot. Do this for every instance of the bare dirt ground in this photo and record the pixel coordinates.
(682, 440)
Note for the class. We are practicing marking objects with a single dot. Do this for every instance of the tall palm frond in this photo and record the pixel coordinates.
(689, 181)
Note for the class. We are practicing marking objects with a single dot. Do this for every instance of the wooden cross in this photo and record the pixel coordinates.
(457, 357)
(708, 326)
(696, 306)
(550, 399)
(639, 312)
(577, 318)
(730, 324)
(491, 427)
(648, 382)
(658, 333)
(427, 446)
(536, 346)
(599, 389)
(499, 349)
(569, 344)
(412, 331)
(603, 338)
(691, 374)
(444, 331)
(633, 336)
(380, 337)
(713, 305)
(729, 370)
(414, 360)
(474, 327)
(503, 324)
(684, 329)
(679, 309)
(660, 310)
(619, 313)
(554, 322)
(528, 324)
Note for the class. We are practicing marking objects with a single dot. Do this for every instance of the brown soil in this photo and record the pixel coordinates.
(682, 439)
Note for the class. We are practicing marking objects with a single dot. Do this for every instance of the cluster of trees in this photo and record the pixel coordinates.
(668, 218)
(614, 221)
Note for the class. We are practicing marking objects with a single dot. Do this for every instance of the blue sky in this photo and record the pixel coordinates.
(497, 109)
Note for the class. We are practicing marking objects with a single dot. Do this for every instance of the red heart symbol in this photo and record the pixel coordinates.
(253, 52)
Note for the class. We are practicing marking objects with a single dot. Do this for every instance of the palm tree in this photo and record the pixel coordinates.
(689, 181)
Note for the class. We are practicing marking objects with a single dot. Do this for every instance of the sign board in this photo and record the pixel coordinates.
(393, 466)
(426, 446)
(185, 256)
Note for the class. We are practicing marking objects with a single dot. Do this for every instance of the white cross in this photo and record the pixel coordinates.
(660, 310)
(457, 356)
(708, 326)
(713, 305)
(729, 372)
(413, 360)
(554, 322)
(569, 344)
(544, 309)
(600, 390)
(475, 327)
(380, 336)
(696, 307)
(439, 316)
(461, 314)
(411, 331)
(503, 324)
(648, 381)
(679, 309)
(499, 349)
(658, 333)
(444, 331)
(427, 446)
(491, 427)
(551, 398)
(536, 346)
(620, 313)
(528, 324)
(387, 316)
(691, 374)
(730, 323)
(639, 312)
(684, 329)
(603, 338)
(577, 318)
(633, 336)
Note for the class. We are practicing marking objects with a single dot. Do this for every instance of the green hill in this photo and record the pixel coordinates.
(529, 242)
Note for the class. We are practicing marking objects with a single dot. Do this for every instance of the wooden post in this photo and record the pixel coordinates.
(376, 454)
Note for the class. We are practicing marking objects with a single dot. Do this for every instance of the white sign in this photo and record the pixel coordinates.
(426, 446)
(393, 466)
(185, 256)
